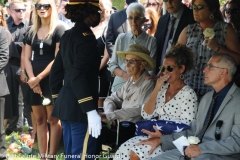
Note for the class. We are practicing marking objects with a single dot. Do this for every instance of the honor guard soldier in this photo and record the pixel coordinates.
(74, 81)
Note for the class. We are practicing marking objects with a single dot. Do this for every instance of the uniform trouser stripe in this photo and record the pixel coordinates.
(85, 144)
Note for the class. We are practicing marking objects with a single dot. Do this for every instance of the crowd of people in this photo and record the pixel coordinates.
(86, 72)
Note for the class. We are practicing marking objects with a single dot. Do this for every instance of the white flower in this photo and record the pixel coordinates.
(46, 101)
(193, 140)
(209, 33)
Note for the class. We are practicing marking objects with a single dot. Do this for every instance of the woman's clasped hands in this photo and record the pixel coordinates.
(34, 85)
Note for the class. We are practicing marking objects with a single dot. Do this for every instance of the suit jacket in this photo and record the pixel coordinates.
(116, 25)
(4, 53)
(77, 63)
(186, 19)
(229, 113)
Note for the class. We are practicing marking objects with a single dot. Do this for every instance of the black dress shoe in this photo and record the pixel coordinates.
(8, 132)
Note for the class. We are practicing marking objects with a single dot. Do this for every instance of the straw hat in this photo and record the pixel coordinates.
(140, 51)
(93, 2)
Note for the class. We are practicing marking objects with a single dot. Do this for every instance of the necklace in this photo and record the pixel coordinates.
(41, 47)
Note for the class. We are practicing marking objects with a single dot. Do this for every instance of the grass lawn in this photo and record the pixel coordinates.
(119, 4)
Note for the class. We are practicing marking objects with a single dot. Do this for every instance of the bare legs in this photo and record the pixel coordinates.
(42, 114)
(56, 131)
(34, 125)
(5, 123)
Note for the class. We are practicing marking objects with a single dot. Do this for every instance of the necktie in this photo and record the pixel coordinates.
(168, 36)
(209, 118)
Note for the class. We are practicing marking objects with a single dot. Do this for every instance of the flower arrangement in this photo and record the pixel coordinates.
(21, 144)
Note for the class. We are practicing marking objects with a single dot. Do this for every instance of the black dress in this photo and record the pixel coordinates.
(104, 73)
(40, 62)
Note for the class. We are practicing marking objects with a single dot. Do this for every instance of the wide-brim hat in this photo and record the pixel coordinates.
(140, 51)
(93, 2)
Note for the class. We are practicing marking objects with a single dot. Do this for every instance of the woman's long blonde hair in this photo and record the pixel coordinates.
(37, 21)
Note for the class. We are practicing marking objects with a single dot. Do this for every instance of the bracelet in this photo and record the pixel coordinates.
(22, 70)
(218, 49)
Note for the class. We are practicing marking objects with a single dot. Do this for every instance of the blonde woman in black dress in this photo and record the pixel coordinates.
(42, 44)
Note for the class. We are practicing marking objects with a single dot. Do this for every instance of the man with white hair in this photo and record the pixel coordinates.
(117, 24)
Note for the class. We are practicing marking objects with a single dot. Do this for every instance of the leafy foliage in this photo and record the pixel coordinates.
(2, 2)
(119, 4)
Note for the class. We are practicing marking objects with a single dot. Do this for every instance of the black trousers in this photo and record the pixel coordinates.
(109, 136)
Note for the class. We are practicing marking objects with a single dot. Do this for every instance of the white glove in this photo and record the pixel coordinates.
(94, 123)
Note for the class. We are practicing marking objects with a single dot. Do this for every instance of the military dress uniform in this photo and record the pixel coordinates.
(77, 66)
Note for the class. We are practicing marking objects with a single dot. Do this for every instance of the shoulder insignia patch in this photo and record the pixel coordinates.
(87, 33)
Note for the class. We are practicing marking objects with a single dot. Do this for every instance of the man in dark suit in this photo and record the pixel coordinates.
(116, 25)
(183, 15)
(4, 52)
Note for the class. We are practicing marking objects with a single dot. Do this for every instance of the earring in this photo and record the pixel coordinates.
(211, 16)
(182, 76)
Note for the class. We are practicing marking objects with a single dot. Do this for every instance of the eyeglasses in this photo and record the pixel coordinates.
(19, 10)
(231, 11)
(209, 67)
(198, 7)
(131, 61)
(168, 68)
(44, 6)
(152, 4)
(135, 18)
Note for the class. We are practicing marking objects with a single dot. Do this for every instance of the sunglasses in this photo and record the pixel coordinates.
(131, 61)
(231, 11)
(152, 4)
(44, 6)
(198, 7)
(19, 10)
(168, 68)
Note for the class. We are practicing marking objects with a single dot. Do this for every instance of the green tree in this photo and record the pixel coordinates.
(222, 2)
(2, 2)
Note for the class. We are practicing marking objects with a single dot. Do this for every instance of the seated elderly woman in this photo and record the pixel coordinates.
(171, 100)
(125, 104)
(137, 35)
